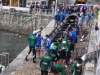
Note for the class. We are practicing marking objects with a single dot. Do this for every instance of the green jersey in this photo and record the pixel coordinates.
(59, 46)
(76, 70)
(32, 40)
(53, 50)
(65, 40)
(60, 68)
(69, 46)
(54, 47)
(45, 62)
(65, 48)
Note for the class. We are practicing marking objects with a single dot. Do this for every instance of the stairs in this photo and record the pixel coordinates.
(61, 28)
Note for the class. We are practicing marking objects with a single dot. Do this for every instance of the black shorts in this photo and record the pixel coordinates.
(68, 56)
(62, 55)
(55, 59)
(54, 70)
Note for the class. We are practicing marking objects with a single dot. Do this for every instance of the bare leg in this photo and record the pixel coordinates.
(45, 53)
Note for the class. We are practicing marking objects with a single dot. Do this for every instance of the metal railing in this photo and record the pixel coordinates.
(36, 11)
(43, 12)
(6, 59)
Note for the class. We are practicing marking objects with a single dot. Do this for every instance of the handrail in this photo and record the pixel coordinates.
(6, 57)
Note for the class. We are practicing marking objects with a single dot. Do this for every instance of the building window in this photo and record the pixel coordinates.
(7, 2)
(22, 3)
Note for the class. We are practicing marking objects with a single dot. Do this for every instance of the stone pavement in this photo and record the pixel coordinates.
(19, 66)
(89, 68)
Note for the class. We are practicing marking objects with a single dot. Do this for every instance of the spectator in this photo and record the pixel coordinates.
(53, 9)
(79, 24)
(31, 8)
(1, 5)
(82, 16)
(72, 33)
(89, 15)
(65, 12)
(97, 14)
(62, 16)
(75, 9)
(46, 7)
(57, 19)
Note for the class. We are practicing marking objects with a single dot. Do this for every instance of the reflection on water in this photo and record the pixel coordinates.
(12, 43)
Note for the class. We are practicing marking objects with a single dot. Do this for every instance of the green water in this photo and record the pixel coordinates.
(12, 43)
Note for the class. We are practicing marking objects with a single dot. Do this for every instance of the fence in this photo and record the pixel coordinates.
(37, 11)
(4, 60)
(44, 12)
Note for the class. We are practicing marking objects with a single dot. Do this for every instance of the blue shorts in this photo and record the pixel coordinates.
(79, 25)
(38, 46)
(47, 49)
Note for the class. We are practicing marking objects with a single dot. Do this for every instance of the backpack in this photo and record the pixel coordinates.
(78, 70)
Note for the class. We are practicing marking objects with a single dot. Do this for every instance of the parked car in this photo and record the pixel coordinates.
(16, 9)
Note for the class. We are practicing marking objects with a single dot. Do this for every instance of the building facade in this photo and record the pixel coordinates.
(21, 3)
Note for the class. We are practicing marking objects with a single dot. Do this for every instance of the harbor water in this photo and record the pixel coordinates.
(12, 43)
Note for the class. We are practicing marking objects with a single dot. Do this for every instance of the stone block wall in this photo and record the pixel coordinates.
(21, 23)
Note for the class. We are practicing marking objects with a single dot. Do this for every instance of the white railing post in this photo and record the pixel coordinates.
(45, 12)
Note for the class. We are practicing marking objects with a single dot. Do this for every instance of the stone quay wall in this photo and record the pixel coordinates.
(22, 23)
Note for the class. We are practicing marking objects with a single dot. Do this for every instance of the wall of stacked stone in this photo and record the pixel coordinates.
(22, 23)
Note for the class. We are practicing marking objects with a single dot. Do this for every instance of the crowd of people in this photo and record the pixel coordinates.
(58, 54)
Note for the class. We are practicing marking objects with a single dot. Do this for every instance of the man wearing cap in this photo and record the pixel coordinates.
(32, 41)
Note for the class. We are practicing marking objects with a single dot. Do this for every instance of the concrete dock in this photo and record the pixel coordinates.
(21, 67)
